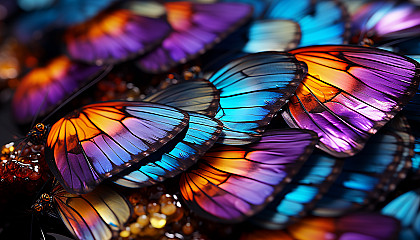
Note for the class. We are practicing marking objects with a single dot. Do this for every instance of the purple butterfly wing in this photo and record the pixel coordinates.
(102, 139)
(349, 93)
(383, 21)
(44, 88)
(231, 183)
(113, 36)
(196, 28)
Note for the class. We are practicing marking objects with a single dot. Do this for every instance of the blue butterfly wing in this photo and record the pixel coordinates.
(302, 193)
(62, 14)
(412, 112)
(406, 208)
(202, 133)
(369, 176)
(72, 12)
(28, 26)
(198, 96)
(321, 22)
(252, 89)
(30, 5)
(272, 35)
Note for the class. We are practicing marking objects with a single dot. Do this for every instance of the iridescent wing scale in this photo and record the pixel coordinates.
(100, 140)
(349, 93)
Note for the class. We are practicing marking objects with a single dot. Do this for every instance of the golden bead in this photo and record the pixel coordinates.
(158, 220)
(139, 210)
(168, 208)
(178, 215)
(153, 208)
(135, 228)
(143, 220)
(187, 228)
(150, 231)
(165, 198)
(125, 234)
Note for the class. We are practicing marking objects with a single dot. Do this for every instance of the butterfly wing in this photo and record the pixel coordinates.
(30, 5)
(230, 183)
(385, 21)
(252, 89)
(272, 35)
(202, 133)
(368, 177)
(412, 112)
(44, 88)
(321, 22)
(416, 158)
(94, 215)
(198, 96)
(196, 28)
(406, 208)
(99, 140)
(363, 226)
(113, 36)
(349, 93)
(61, 14)
(258, 6)
(302, 193)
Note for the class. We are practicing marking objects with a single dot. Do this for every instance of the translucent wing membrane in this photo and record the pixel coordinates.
(113, 36)
(252, 89)
(62, 13)
(202, 133)
(99, 140)
(299, 196)
(321, 21)
(231, 183)
(198, 96)
(406, 208)
(44, 88)
(385, 21)
(349, 93)
(272, 35)
(94, 215)
(195, 28)
(368, 177)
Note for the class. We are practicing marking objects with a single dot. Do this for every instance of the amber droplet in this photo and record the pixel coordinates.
(125, 233)
(135, 228)
(143, 220)
(158, 220)
(139, 210)
(179, 213)
(188, 75)
(187, 228)
(150, 231)
(168, 208)
(153, 208)
(165, 198)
